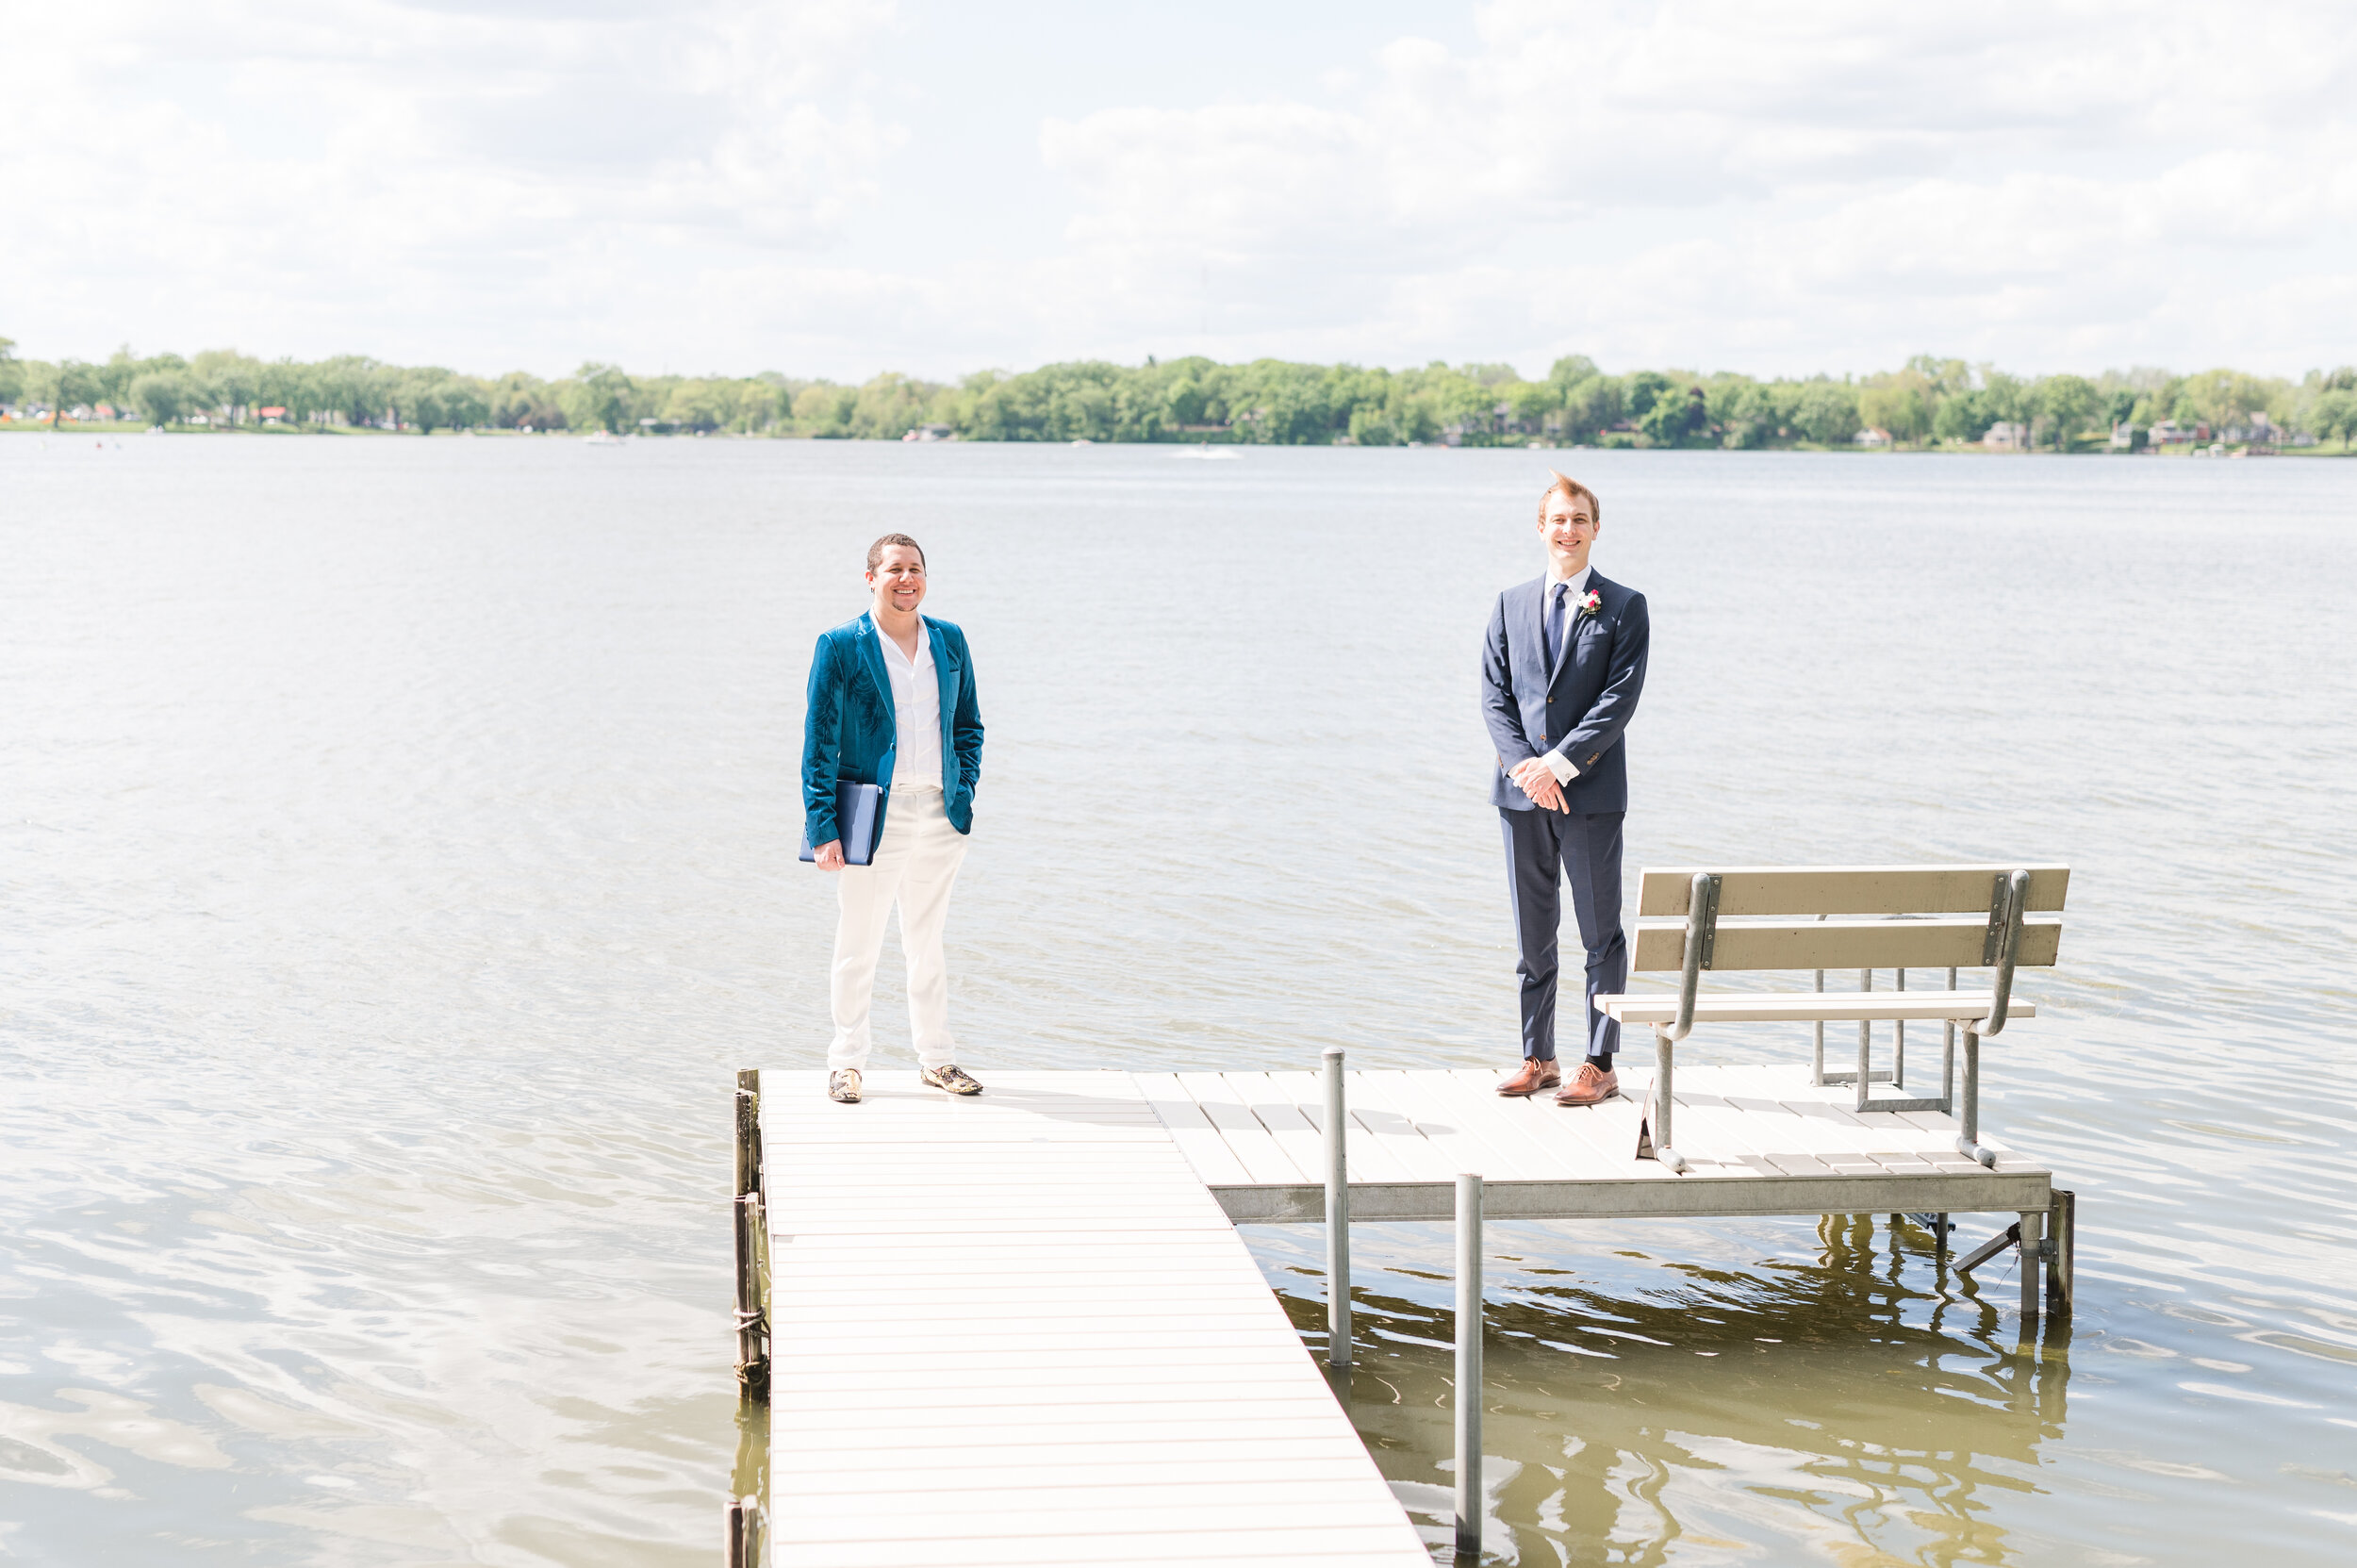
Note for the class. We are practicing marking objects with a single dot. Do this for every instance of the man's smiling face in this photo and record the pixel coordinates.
(898, 579)
(1570, 532)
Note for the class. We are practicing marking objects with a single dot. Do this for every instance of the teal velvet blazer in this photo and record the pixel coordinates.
(850, 730)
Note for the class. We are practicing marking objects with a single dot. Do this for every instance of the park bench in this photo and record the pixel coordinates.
(1795, 919)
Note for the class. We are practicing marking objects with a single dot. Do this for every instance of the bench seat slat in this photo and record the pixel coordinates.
(1848, 889)
(1812, 1006)
(1939, 943)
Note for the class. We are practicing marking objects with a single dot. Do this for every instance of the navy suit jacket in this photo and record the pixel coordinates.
(850, 730)
(1583, 710)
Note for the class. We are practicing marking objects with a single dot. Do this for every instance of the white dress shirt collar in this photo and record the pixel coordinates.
(1578, 580)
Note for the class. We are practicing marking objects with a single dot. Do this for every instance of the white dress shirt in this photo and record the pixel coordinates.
(916, 712)
(1557, 764)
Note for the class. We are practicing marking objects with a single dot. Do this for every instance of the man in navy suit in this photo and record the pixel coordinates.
(1561, 667)
(891, 703)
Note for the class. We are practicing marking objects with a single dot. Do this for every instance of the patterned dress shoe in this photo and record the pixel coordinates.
(843, 1085)
(1534, 1076)
(951, 1079)
(1591, 1086)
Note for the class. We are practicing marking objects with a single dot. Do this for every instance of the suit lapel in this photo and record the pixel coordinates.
(1531, 648)
(871, 657)
(946, 681)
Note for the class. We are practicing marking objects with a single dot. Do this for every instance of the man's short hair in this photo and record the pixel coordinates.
(1572, 490)
(875, 552)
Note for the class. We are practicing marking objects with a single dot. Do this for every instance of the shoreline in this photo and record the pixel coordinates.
(121, 427)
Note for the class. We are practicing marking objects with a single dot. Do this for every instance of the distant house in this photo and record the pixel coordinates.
(1872, 436)
(2255, 430)
(271, 416)
(2129, 438)
(2007, 436)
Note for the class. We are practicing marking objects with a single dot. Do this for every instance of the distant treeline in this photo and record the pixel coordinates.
(1927, 402)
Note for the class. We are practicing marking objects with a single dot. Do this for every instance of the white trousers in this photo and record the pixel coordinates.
(915, 867)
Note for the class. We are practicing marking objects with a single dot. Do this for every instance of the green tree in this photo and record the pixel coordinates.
(227, 381)
(1826, 411)
(1570, 371)
(1643, 389)
(1594, 405)
(600, 397)
(824, 409)
(2333, 413)
(1676, 418)
(161, 396)
(2067, 403)
(1961, 417)
(1901, 403)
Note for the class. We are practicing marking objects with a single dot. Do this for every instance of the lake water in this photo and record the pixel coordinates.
(398, 859)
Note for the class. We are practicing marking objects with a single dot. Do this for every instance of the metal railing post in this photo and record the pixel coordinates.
(1337, 1215)
(1469, 1500)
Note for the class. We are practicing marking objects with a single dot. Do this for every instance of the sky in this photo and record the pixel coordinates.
(836, 190)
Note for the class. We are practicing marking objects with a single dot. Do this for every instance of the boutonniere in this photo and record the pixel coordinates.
(1592, 602)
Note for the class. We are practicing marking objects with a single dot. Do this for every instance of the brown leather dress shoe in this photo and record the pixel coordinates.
(1591, 1086)
(1535, 1075)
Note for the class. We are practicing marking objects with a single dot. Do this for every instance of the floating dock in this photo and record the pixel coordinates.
(1020, 1328)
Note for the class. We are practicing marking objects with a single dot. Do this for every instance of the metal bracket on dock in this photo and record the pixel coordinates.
(1989, 1249)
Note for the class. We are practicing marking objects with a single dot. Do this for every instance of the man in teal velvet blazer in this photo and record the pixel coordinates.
(891, 703)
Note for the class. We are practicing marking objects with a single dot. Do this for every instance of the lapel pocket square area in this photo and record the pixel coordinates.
(854, 821)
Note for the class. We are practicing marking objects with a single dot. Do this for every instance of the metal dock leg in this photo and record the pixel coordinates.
(1337, 1216)
(745, 1532)
(2063, 1246)
(752, 1244)
(2033, 1254)
(1469, 1496)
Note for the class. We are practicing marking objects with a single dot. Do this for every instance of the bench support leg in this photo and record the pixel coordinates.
(1653, 1131)
(1968, 1140)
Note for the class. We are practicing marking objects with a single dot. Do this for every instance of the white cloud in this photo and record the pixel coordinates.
(1830, 184)
(335, 174)
(1697, 182)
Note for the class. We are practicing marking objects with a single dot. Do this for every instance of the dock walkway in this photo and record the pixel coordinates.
(1018, 1330)
(1021, 1329)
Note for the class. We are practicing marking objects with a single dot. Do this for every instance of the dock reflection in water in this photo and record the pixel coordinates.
(1866, 1403)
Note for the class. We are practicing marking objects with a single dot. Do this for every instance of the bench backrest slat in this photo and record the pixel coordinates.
(1939, 943)
(1850, 890)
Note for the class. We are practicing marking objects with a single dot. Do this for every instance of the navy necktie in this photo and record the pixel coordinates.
(1555, 627)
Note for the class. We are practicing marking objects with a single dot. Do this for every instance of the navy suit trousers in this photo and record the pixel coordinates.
(1543, 850)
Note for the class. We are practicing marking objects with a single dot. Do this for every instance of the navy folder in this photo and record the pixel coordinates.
(854, 820)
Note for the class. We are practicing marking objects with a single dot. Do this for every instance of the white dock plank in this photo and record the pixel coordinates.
(1246, 1139)
(1446, 1132)
(1026, 1312)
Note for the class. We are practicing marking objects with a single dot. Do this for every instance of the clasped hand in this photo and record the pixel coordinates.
(829, 856)
(1538, 781)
